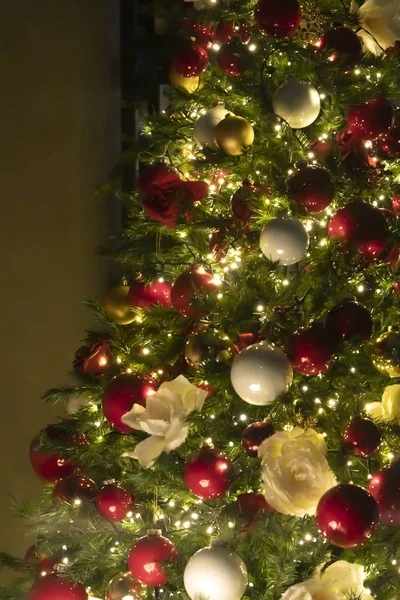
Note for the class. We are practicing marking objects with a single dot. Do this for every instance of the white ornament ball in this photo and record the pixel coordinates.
(260, 373)
(215, 573)
(284, 240)
(204, 130)
(297, 102)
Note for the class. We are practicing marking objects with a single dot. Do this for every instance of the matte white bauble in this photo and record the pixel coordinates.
(260, 373)
(284, 240)
(297, 102)
(204, 130)
(215, 573)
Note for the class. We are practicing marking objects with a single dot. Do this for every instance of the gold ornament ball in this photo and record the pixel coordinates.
(234, 133)
(190, 84)
(386, 354)
(116, 304)
(124, 586)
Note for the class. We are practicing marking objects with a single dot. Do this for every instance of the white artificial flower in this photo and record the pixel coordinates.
(381, 19)
(295, 472)
(164, 418)
(389, 408)
(337, 582)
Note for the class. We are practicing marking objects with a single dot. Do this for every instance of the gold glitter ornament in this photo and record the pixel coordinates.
(312, 24)
(386, 353)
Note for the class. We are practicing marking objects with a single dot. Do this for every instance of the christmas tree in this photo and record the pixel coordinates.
(234, 430)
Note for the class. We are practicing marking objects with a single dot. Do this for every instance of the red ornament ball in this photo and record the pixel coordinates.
(390, 141)
(122, 393)
(75, 489)
(53, 587)
(48, 465)
(203, 32)
(311, 188)
(145, 296)
(114, 502)
(385, 488)
(208, 473)
(94, 359)
(189, 291)
(241, 201)
(347, 515)
(148, 557)
(362, 437)
(311, 350)
(234, 58)
(254, 435)
(190, 60)
(342, 45)
(371, 119)
(396, 204)
(361, 226)
(226, 30)
(349, 320)
(250, 507)
(278, 19)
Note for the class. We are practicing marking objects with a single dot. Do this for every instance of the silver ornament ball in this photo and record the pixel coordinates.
(297, 102)
(260, 373)
(204, 129)
(284, 240)
(215, 573)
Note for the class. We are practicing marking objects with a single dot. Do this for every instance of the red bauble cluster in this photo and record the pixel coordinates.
(278, 19)
(390, 142)
(360, 226)
(347, 515)
(94, 359)
(311, 350)
(145, 296)
(385, 488)
(371, 119)
(234, 58)
(311, 188)
(189, 291)
(166, 196)
(342, 44)
(241, 201)
(75, 489)
(250, 507)
(208, 473)
(53, 587)
(362, 437)
(254, 435)
(51, 466)
(114, 502)
(226, 30)
(122, 393)
(190, 60)
(148, 558)
(349, 320)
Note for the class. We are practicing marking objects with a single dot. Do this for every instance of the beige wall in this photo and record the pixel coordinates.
(59, 136)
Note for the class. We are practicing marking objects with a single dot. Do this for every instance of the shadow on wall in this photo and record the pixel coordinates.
(60, 132)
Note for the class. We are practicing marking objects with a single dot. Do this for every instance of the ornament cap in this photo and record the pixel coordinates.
(156, 532)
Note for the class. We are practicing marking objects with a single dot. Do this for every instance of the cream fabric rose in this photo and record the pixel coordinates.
(381, 18)
(389, 408)
(164, 418)
(336, 583)
(295, 472)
